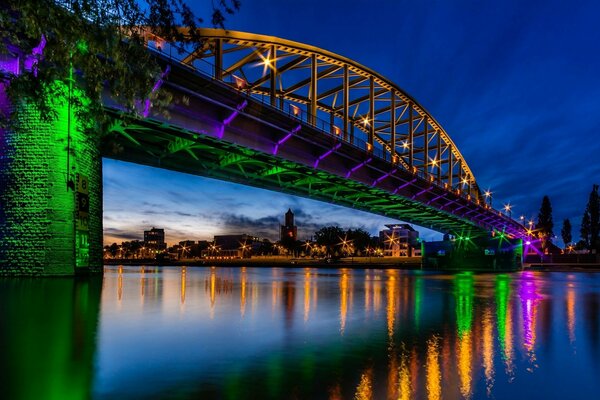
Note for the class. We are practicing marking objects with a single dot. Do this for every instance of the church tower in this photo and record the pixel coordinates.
(289, 231)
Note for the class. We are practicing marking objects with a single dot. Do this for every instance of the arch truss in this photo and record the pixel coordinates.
(338, 96)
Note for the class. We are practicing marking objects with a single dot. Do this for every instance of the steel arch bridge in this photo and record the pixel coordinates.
(290, 117)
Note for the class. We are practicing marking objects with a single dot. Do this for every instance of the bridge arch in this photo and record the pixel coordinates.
(336, 95)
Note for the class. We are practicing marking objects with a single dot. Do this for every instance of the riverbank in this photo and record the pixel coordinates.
(348, 262)
(562, 267)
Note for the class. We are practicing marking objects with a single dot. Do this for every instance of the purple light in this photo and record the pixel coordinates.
(337, 146)
(234, 114)
(404, 185)
(422, 191)
(31, 61)
(39, 49)
(9, 64)
(382, 177)
(437, 198)
(156, 86)
(354, 169)
(285, 138)
(530, 297)
(528, 243)
(459, 208)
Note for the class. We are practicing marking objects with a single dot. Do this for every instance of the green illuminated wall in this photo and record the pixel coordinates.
(39, 213)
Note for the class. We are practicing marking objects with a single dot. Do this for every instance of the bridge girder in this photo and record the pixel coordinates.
(228, 161)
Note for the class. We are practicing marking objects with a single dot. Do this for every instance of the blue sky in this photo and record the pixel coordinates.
(516, 84)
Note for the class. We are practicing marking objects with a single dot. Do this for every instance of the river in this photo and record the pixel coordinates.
(300, 333)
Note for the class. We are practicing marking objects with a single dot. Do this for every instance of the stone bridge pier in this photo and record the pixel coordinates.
(50, 187)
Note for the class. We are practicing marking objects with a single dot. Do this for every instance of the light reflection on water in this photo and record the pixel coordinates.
(235, 333)
(308, 333)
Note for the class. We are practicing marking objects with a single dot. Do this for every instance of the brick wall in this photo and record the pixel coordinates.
(37, 206)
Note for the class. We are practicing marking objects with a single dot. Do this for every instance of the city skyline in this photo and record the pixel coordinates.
(204, 217)
(512, 84)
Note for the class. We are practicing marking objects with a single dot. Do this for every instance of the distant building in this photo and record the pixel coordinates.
(288, 231)
(155, 239)
(231, 246)
(400, 240)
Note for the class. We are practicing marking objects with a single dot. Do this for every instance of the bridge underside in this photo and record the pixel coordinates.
(218, 132)
(166, 146)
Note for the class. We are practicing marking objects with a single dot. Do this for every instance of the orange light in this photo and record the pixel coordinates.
(336, 130)
(240, 83)
(295, 110)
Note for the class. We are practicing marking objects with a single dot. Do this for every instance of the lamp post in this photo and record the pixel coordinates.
(508, 210)
(488, 197)
(244, 247)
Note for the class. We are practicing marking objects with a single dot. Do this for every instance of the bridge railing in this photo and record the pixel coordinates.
(173, 54)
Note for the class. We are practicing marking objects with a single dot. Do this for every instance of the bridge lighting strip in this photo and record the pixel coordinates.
(404, 185)
(382, 177)
(156, 86)
(422, 191)
(337, 146)
(355, 168)
(436, 198)
(285, 139)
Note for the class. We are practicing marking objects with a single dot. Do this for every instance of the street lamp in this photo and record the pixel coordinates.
(308, 247)
(244, 247)
(508, 210)
(488, 196)
(183, 250)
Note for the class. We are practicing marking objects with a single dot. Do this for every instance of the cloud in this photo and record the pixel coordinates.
(113, 234)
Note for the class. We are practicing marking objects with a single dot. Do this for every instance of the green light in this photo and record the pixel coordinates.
(67, 309)
(82, 47)
(418, 300)
(502, 299)
(40, 233)
(464, 302)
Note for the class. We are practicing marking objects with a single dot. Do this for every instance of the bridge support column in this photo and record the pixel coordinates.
(473, 254)
(50, 191)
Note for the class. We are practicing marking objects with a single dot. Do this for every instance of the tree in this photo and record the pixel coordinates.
(544, 223)
(100, 43)
(360, 238)
(289, 243)
(330, 237)
(565, 232)
(585, 229)
(266, 247)
(592, 210)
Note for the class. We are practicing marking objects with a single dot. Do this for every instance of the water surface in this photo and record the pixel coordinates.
(236, 333)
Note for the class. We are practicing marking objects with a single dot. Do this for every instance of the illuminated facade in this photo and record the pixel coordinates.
(400, 240)
(50, 182)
